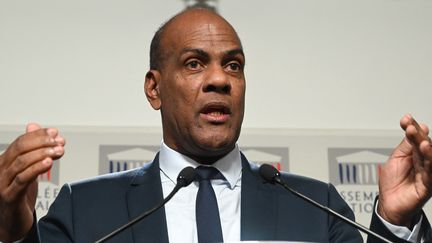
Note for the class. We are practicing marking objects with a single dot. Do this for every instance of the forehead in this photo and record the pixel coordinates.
(200, 29)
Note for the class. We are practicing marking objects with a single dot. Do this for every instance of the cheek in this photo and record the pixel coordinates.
(239, 96)
(181, 101)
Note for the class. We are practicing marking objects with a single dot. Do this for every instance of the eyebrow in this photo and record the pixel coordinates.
(205, 54)
(197, 51)
(235, 52)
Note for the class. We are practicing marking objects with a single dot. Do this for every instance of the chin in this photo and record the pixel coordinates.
(217, 146)
(209, 150)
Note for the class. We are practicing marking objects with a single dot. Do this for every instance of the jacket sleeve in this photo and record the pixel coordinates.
(33, 235)
(56, 226)
(378, 227)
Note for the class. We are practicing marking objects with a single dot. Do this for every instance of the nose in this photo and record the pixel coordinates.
(217, 80)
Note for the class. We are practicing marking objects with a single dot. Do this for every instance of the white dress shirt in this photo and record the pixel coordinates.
(180, 211)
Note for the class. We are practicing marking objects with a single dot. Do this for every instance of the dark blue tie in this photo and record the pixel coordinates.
(207, 211)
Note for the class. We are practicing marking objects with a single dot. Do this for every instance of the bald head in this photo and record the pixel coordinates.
(184, 20)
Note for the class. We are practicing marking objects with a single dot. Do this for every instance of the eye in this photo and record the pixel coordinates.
(234, 66)
(193, 65)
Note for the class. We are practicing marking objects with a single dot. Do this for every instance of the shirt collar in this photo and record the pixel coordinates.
(172, 162)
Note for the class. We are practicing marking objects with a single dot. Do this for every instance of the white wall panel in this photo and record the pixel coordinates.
(310, 64)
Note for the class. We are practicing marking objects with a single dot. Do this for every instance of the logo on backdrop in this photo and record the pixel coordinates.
(276, 156)
(354, 172)
(48, 188)
(116, 158)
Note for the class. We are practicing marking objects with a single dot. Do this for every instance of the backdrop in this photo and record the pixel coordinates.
(348, 159)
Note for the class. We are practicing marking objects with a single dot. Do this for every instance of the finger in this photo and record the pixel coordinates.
(426, 149)
(422, 134)
(26, 160)
(31, 127)
(415, 133)
(408, 119)
(425, 129)
(422, 149)
(60, 140)
(415, 137)
(31, 141)
(26, 178)
(405, 121)
(418, 161)
(426, 177)
(428, 168)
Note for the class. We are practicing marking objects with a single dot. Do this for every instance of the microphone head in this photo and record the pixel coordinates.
(269, 173)
(186, 176)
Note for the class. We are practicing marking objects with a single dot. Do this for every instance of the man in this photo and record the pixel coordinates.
(196, 80)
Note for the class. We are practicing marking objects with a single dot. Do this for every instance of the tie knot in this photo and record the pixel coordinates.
(208, 173)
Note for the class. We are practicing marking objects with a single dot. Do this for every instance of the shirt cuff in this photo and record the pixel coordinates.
(402, 231)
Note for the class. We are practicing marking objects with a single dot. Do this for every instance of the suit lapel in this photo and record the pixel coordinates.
(258, 205)
(146, 193)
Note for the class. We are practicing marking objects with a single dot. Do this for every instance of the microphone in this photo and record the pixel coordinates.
(184, 179)
(272, 175)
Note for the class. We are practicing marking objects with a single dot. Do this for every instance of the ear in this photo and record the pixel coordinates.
(151, 88)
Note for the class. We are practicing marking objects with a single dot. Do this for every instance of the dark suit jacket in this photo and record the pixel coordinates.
(88, 210)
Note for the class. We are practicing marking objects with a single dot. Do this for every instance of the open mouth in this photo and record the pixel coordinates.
(216, 112)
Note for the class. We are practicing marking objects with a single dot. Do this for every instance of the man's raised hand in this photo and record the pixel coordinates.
(406, 179)
(29, 156)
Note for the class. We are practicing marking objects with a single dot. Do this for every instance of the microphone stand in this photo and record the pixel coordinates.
(332, 212)
(271, 174)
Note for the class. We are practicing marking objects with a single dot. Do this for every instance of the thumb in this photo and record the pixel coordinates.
(31, 127)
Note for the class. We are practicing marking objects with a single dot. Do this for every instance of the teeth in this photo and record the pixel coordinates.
(216, 113)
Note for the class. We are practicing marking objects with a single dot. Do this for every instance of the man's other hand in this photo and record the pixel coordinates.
(406, 179)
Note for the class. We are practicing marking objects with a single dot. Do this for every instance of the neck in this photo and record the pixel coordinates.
(204, 157)
(206, 160)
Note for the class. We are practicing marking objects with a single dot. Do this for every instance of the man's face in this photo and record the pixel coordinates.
(202, 86)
